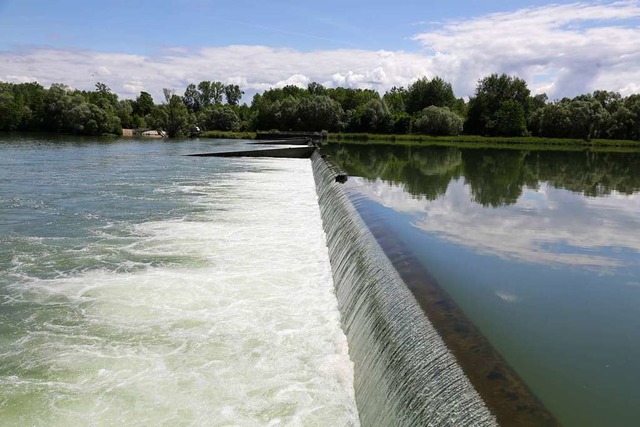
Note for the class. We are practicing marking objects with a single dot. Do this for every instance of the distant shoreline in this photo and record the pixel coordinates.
(463, 141)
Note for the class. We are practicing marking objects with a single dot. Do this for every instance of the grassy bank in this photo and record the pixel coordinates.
(227, 135)
(473, 139)
(462, 141)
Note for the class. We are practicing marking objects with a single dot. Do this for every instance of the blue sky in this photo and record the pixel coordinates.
(561, 48)
(148, 26)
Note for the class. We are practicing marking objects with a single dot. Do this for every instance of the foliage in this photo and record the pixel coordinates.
(510, 119)
(221, 118)
(486, 109)
(227, 135)
(425, 93)
(482, 141)
(233, 94)
(438, 121)
(501, 107)
(395, 99)
(495, 177)
(173, 116)
(374, 116)
(309, 113)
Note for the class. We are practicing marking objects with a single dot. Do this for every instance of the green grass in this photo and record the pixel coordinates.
(462, 141)
(473, 140)
(227, 135)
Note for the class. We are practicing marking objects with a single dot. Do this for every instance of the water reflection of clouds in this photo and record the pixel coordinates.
(507, 297)
(546, 225)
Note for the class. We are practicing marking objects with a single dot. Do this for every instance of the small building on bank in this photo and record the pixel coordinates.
(154, 133)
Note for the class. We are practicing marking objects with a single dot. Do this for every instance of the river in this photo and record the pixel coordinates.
(141, 287)
(539, 249)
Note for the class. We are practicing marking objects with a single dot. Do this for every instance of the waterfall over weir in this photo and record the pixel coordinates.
(404, 374)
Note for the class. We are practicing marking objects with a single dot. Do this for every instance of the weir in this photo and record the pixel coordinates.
(404, 373)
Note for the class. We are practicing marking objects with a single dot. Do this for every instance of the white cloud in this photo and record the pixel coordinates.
(545, 226)
(575, 48)
(254, 68)
(558, 49)
(507, 297)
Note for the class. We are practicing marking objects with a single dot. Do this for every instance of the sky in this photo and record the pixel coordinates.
(564, 48)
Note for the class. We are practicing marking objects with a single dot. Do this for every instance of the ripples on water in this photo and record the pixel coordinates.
(155, 289)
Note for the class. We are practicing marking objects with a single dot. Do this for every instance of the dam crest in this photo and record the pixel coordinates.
(404, 373)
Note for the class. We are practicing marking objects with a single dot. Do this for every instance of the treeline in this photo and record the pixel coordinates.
(31, 107)
(501, 106)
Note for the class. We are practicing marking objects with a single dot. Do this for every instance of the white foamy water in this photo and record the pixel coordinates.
(245, 333)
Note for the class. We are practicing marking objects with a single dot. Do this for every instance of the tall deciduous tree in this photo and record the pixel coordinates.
(486, 108)
(143, 104)
(438, 121)
(219, 118)
(192, 98)
(217, 91)
(424, 93)
(316, 89)
(173, 115)
(395, 99)
(233, 94)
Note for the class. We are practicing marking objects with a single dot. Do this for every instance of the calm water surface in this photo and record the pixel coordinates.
(540, 249)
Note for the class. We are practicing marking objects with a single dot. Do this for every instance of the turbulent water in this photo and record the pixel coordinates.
(404, 374)
(139, 287)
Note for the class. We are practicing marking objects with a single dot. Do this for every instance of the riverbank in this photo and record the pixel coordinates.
(475, 140)
(227, 135)
(463, 141)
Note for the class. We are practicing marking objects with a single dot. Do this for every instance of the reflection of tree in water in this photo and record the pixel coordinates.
(496, 177)
(591, 173)
(424, 172)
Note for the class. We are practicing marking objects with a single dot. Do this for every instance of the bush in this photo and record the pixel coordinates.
(438, 121)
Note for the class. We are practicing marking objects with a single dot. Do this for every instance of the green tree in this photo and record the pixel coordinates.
(191, 98)
(216, 92)
(424, 93)
(173, 116)
(233, 94)
(438, 121)
(587, 117)
(11, 109)
(316, 89)
(485, 108)
(374, 117)
(395, 99)
(125, 113)
(351, 99)
(219, 118)
(632, 103)
(143, 104)
(621, 124)
(552, 121)
(318, 113)
(610, 101)
(102, 92)
(510, 120)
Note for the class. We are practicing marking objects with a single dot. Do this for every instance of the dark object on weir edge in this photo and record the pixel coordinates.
(342, 178)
